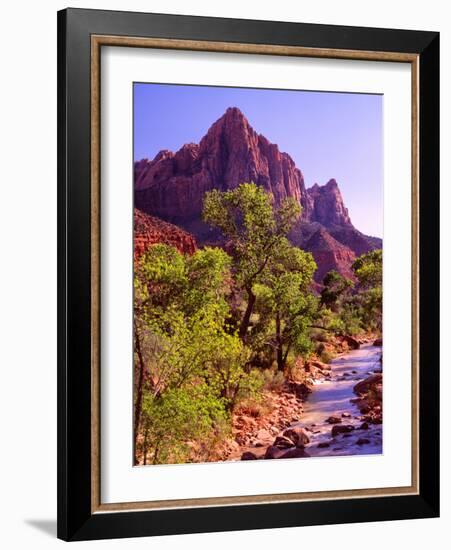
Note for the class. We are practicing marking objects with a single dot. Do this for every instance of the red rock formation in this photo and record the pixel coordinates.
(149, 230)
(328, 207)
(172, 187)
(353, 239)
(329, 254)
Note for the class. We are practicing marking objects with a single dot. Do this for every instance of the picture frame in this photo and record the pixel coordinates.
(81, 36)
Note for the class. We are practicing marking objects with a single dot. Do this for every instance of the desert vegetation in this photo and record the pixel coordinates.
(236, 329)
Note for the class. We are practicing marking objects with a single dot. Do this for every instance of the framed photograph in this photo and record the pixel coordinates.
(248, 274)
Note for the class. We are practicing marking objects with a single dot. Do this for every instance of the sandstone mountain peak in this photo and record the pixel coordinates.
(172, 186)
(331, 184)
(231, 126)
(234, 113)
(328, 205)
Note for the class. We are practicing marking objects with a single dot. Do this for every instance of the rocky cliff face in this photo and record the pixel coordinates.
(328, 208)
(172, 186)
(329, 254)
(148, 230)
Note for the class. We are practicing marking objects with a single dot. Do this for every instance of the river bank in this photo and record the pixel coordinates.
(336, 411)
(337, 421)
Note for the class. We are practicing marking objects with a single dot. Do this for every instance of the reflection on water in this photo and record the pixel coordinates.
(332, 397)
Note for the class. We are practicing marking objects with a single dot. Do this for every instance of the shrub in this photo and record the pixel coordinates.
(274, 380)
(318, 335)
(255, 407)
(171, 420)
(249, 386)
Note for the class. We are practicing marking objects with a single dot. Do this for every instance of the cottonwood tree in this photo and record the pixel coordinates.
(368, 270)
(254, 230)
(186, 361)
(336, 288)
(283, 296)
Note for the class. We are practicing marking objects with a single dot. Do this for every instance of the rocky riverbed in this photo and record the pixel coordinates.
(339, 414)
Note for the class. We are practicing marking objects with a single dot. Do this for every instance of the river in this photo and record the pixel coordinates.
(332, 398)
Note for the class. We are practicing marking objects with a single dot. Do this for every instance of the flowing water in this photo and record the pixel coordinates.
(332, 398)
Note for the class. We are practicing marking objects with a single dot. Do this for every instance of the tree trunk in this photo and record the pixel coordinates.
(285, 355)
(279, 350)
(145, 443)
(247, 314)
(139, 391)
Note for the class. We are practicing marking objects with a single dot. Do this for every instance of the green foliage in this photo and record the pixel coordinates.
(319, 335)
(273, 274)
(335, 289)
(368, 300)
(208, 273)
(178, 416)
(165, 278)
(225, 370)
(351, 319)
(273, 379)
(331, 321)
(284, 304)
(368, 269)
(255, 231)
(348, 308)
(245, 215)
(214, 329)
(180, 321)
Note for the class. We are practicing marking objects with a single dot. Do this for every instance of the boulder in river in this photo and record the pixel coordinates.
(283, 442)
(318, 365)
(352, 342)
(333, 420)
(344, 428)
(300, 389)
(362, 441)
(274, 452)
(248, 456)
(295, 453)
(365, 385)
(298, 436)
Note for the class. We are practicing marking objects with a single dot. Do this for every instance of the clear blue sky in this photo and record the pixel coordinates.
(328, 135)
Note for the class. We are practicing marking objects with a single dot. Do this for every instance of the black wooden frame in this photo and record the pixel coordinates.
(75, 520)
